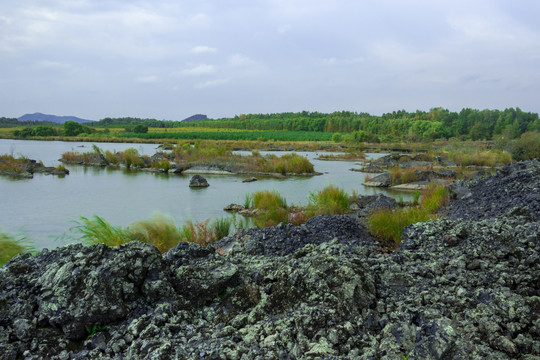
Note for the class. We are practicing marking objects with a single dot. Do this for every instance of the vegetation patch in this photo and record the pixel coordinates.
(331, 200)
(11, 246)
(388, 224)
(160, 231)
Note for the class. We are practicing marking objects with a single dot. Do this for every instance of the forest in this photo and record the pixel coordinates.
(437, 123)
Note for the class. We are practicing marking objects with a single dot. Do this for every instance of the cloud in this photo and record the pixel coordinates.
(240, 60)
(147, 79)
(212, 83)
(202, 69)
(201, 49)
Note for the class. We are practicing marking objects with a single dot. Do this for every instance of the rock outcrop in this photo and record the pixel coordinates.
(197, 181)
(461, 287)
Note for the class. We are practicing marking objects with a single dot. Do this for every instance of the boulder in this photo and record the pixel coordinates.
(234, 207)
(250, 179)
(197, 181)
(382, 180)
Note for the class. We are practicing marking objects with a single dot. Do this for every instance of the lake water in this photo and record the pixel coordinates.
(45, 208)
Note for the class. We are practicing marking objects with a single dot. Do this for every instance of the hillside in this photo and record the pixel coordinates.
(52, 118)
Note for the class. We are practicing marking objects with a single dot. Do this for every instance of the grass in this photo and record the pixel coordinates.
(273, 205)
(199, 155)
(330, 200)
(206, 232)
(402, 176)
(11, 246)
(98, 231)
(160, 231)
(434, 197)
(388, 224)
(268, 200)
(10, 163)
(479, 157)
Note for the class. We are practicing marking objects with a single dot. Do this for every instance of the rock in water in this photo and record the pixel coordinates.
(197, 181)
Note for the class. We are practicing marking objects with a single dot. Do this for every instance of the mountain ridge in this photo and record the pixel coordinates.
(52, 118)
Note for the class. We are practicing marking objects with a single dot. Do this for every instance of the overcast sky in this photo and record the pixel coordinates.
(169, 59)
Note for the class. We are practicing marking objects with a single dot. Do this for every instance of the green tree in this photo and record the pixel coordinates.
(71, 128)
(140, 129)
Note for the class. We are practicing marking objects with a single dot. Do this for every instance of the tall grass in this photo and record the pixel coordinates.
(480, 157)
(267, 200)
(434, 197)
(402, 176)
(330, 200)
(389, 224)
(205, 233)
(11, 246)
(10, 163)
(98, 231)
(161, 231)
(273, 205)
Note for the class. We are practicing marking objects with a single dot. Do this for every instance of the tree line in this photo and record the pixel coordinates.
(437, 123)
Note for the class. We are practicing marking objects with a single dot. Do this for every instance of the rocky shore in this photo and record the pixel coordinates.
(26, 168)
(466, 286)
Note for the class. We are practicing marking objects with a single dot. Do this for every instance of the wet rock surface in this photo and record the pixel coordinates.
(456, 289)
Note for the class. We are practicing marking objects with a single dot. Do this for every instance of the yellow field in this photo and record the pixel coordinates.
(194, 129)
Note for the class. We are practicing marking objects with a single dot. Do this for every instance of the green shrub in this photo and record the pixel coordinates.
(131, 158)
(526, 147)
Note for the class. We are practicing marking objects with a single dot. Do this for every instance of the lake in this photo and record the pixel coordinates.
(45, 208)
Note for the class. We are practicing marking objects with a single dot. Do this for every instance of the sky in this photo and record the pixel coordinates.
(170, 59)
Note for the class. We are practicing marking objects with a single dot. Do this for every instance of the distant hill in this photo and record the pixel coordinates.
(196, 117)
(52, 118)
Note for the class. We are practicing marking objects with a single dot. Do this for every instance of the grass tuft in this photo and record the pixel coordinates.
(160, 231)
(330, 200)
(389, 224)
(11, 246)
(98, 231)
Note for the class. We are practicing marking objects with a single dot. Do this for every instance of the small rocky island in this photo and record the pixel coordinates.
(26, 168)
(194, 160)
(465, 286)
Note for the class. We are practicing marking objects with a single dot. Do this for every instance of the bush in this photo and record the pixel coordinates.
(526, 147)
(140, 129)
